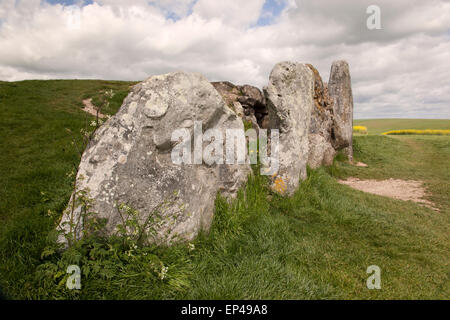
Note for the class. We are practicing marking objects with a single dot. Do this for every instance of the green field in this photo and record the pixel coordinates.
(378, 126)
(316, 244)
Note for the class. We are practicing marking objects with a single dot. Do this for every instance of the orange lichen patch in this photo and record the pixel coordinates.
(279, 185)
(322, 101)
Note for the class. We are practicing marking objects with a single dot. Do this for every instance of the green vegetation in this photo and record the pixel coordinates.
(316, 244)
(36, 155)
(378, 126)
(36, 151)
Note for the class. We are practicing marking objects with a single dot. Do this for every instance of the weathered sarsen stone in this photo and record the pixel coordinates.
(340, 91)
(289, 97)
(321, 151)
(129, 159)
(247, 101)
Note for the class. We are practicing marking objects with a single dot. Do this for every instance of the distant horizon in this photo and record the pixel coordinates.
(355, 105)
(399, 54)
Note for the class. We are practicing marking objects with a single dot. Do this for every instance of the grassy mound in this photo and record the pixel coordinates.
(316, 244)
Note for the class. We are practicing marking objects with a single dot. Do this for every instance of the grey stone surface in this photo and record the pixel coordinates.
(249, 98)
(340, 91)
(289, 97)
(129, 159)
(321, 151)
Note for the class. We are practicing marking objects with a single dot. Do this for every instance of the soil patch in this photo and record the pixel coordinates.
(90, 108)
(406, 190)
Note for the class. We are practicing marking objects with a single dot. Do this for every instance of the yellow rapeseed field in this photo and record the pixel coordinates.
(420, 132)
(360, 129)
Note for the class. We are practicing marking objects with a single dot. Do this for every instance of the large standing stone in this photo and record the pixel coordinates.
(289, 97)
(129, 159)
(340, 90)
(321, 151)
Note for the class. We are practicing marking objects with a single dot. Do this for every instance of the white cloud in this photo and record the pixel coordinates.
(231, 12)
(401, 70)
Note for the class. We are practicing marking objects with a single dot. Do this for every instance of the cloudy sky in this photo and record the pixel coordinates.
(401, 70)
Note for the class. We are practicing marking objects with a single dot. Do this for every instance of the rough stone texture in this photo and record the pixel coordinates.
(321, 151)
(247, 101)
(289, 97)
(340, 90)
(129, 159)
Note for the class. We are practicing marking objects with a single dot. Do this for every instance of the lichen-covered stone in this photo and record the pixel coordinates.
(129, 159)
(289, 97)
(321, 151)
(248, 98)
(340, 91)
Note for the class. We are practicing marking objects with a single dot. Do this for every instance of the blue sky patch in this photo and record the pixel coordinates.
(70, 2)
(271, 10)
(172, 15)
(169, 14)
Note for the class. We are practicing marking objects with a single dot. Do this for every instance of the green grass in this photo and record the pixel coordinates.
(35, 147)
(378, 126)
(316, 244)
(36, 154)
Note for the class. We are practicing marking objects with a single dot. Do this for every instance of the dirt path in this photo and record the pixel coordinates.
(406, 190)
(90, 108)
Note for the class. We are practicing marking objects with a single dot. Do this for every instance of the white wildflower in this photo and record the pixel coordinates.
(163, 273)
